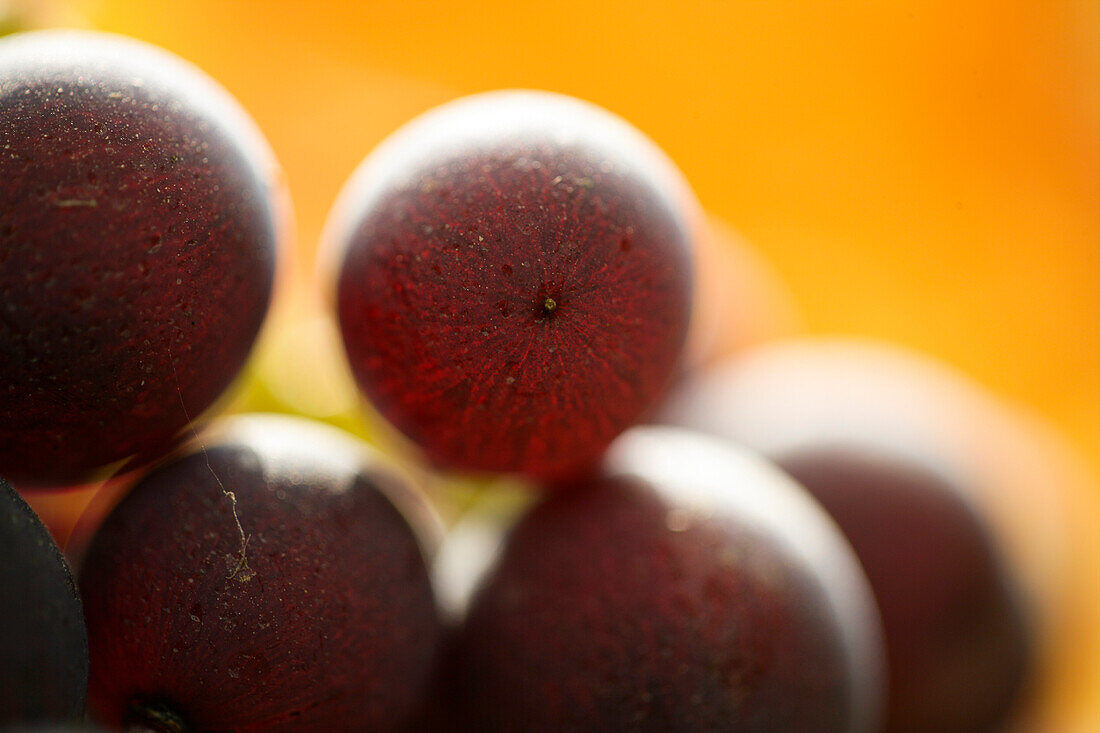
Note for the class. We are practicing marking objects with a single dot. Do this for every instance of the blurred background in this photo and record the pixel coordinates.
(925, 173)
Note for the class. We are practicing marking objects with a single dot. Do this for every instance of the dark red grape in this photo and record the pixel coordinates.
(957, 638)
(139, 214)
(273, 581)
(855, 426)
(43, 644)
(686, 587)
(514, 280)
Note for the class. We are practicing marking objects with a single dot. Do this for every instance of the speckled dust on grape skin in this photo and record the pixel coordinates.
(331, 627)
(137, 253)
(602, 617)
(442, 303)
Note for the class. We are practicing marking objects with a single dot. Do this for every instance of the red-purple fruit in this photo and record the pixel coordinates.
(138, 228)
(854, 425)
(43, 644)
(686, 586)
(513, 280)
(274, 580)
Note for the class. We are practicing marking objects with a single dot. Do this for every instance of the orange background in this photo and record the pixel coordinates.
(916, 171)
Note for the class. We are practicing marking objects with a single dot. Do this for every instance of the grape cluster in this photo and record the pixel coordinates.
(512, 277)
